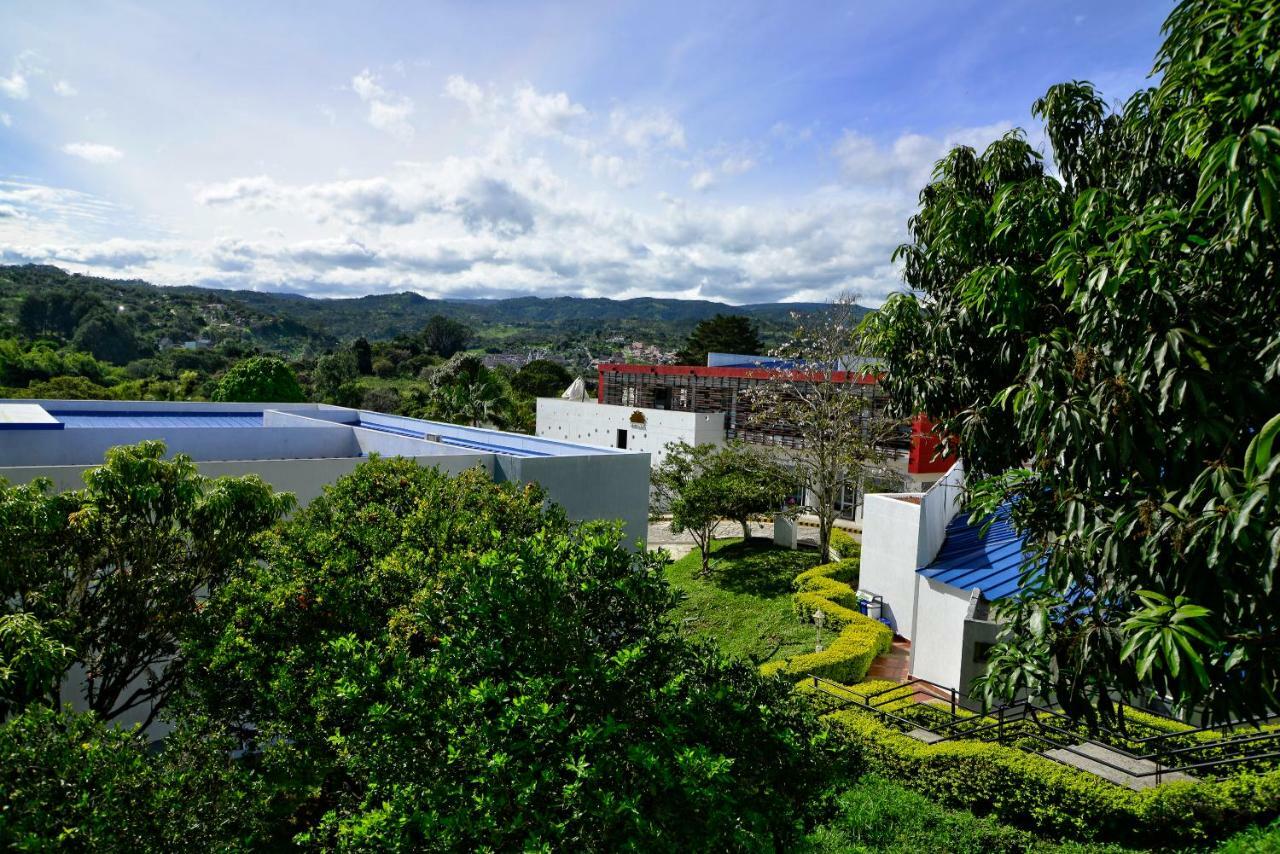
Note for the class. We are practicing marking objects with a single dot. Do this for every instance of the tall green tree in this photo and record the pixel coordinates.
(1101, 346)
(108, 336)
(259, 379)
(444, 337)
(542, 378)
(114, 573)
(364, 356)
(723, 333)
(447, 663)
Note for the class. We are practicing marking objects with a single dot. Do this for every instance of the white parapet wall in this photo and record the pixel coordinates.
(644, 430)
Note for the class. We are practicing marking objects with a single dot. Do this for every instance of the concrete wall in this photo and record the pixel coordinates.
(603, 487)
(890, 548)
(937, 649)
(599, 423)
(938, 506)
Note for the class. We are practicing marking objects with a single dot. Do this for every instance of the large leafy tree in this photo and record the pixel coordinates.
(444, 663)
(259, 379)
(1103, 348)
(110, 577)
(444, 336)
(542, 378)
(723, 333)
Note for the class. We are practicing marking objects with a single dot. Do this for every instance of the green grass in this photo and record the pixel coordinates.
(879, 815)
(745, 604)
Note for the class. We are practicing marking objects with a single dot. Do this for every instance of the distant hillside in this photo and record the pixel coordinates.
(291, 323)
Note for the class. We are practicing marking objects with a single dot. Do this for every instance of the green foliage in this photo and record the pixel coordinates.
(70, 783)
(723, 333)
(542, 378)
(845, 545)
(701, 484)
(364, 356)
(114, 571)
(64, 388)
(744, 604)
(334, 379)
(1101, 347)
(22, 364)
(439, 662)
(55, 312)
(1037, 793)
(107, 336)
(31, 662)
(878, 814)
(830, 588)
(261, 379)
(444, 337)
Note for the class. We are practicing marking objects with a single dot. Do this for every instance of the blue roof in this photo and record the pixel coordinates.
(993, 564)
(82, 418)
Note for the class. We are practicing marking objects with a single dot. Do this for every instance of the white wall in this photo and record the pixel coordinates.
(599, 423)
(890, 549)
(938, 506)
(937, 650)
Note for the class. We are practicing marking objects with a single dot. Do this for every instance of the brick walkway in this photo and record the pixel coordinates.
(895, 664)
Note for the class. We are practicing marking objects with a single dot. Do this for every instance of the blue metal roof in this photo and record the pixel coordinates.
(82, 418)
(444, 439)
(993, 564)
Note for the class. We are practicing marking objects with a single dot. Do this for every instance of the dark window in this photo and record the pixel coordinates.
(662, 398)
(622, 438)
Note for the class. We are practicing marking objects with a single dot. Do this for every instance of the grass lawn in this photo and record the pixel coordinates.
(745, 604)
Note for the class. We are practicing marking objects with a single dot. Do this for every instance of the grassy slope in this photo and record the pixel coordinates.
(745, 605)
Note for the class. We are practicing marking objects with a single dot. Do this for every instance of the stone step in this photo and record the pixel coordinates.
(1123, 774)
(924, 735)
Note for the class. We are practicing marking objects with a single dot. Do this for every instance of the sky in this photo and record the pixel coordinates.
(742, 151)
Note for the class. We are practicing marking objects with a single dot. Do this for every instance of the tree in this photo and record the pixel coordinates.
(55, 313)
(444, 336)
(114, 573)
(107, 336)
(1101, 348)
(724, 333)
(701, 485)
(364, 356)
(542, 378)
(259, 379)
(840, 436)
(334, 379)
(449, 663)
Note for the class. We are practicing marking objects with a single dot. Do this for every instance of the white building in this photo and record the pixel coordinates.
(626, 427)
(937, 575)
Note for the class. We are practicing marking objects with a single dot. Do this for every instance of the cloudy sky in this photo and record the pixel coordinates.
(738, 151)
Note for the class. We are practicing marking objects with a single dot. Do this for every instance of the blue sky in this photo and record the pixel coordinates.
(739, 151)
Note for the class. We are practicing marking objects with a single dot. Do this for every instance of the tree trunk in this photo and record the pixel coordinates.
(746, 529)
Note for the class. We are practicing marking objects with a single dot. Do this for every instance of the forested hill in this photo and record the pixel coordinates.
(293, 323)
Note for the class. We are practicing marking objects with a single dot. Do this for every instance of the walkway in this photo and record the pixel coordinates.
(894, 665)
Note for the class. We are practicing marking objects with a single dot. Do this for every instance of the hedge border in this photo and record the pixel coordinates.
(1039, 794)
(860, 638)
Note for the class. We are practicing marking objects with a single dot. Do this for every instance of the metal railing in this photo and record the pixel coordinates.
(1054, 730)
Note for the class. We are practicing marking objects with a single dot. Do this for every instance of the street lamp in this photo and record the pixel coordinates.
(818, 619)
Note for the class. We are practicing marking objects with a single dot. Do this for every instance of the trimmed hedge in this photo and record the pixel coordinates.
(1034, 792)
(845, 545)
(829, 587)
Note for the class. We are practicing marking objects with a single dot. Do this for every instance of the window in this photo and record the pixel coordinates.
(622, 437)
(629, 396)
(662, 398)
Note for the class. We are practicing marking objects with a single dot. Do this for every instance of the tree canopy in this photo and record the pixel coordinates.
(1102, 347)
(444, 336)
(723, 333)
(442, 662)
(259, 379)
(542, 378)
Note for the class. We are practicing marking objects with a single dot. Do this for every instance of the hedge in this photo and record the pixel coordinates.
(860, 639)
(1035, 792)
(844, 544)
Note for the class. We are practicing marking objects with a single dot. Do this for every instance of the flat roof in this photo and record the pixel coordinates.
(26, 416)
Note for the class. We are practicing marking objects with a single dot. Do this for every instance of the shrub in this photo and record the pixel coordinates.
(1038, 793)
(846, 547)
(260, 379)
(860, 638)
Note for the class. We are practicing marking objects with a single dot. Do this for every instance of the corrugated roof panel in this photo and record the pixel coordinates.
(993, 564)
(89, 418)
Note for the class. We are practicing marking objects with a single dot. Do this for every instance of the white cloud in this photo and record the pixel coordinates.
(65, 89)
(737, 165)
(94, 152)
(387, 111)
(703, 180)
(647, 129)
(614, 169)
(526, 109)
(15, 85)
(464, 91)
(908, 160)
(545, 113)
(6, 120)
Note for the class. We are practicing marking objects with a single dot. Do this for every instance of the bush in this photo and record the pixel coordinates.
(68, 781)
(261, 379)
(860, 638)
(845, 545)
(1038, 793)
